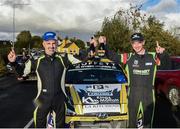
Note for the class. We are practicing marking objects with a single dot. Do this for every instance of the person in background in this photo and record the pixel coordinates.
(99, 48)
(93, 47)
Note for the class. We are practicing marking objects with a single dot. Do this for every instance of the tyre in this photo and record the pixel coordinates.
(174, 96)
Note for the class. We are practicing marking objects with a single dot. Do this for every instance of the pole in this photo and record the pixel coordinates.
(13, 24)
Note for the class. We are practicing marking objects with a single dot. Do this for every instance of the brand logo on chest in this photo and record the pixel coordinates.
(148, 63)
(136, 63)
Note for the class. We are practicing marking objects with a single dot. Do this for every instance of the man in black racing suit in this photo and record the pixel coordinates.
(50, 70)
(141, 71)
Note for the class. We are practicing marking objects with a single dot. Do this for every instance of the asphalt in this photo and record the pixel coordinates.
(7, 81)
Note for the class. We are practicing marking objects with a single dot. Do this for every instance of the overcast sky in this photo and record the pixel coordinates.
(80, 18)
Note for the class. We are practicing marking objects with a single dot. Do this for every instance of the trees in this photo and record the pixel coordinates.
(124, 22)
(154, 31)
(23, 40)
(2, 66)
(36, 42)
(117, 33)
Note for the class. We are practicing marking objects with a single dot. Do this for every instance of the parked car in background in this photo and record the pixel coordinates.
(168, 81)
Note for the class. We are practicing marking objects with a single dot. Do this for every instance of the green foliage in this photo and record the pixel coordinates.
(2, 66)
(119, 28)
(4, 50)
(23, 39)
(36, 42)
(154, 31)
(117, 33)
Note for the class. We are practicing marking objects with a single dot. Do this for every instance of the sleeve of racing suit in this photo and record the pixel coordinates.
(69, 59)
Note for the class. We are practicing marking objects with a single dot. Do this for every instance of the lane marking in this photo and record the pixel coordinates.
(29, 124)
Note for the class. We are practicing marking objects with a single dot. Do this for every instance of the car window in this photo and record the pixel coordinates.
(175, 65)
(95, 76)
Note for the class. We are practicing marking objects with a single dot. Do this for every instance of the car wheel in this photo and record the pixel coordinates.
(174, 96)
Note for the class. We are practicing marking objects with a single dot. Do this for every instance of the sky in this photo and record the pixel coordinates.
(75, 18)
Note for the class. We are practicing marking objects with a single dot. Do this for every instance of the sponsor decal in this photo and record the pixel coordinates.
(140, 124)
(89, 100)
(99, 99)
(135, 64)
(44, 90)
(106, 65)
(50, 124)
(101, 108)
(108, 99)
(148, 63)
(99, 93)
(141, 72)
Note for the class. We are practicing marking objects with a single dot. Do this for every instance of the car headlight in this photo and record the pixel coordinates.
(121, 78)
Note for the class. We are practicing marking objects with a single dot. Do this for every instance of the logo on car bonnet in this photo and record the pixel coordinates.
(89, 100)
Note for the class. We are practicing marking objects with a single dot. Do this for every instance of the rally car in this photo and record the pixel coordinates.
(97, 95)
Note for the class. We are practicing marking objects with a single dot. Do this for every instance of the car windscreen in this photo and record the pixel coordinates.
(175, 65)
(95, 76)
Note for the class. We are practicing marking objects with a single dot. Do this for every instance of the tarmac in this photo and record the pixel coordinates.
(7, 81)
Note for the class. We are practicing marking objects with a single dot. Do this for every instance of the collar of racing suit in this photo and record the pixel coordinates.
(141, 56)
(50, 57)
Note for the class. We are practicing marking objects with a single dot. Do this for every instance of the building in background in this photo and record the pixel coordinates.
(69, 47)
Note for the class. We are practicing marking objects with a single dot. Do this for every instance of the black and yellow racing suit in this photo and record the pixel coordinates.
(50, 72)
(141, 71)
(51, 94)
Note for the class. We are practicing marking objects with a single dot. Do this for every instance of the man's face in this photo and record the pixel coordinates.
(138, 46)
(50, 46)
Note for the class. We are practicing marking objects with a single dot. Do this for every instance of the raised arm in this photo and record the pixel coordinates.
(163, 59)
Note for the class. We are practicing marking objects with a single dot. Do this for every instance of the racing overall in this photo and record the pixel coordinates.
(50, 72)
(141, 70)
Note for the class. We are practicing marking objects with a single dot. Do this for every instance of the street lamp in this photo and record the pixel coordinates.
(14, 29)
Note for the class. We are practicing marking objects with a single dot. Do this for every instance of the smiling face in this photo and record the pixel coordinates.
(138, 46)
(50, 46)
